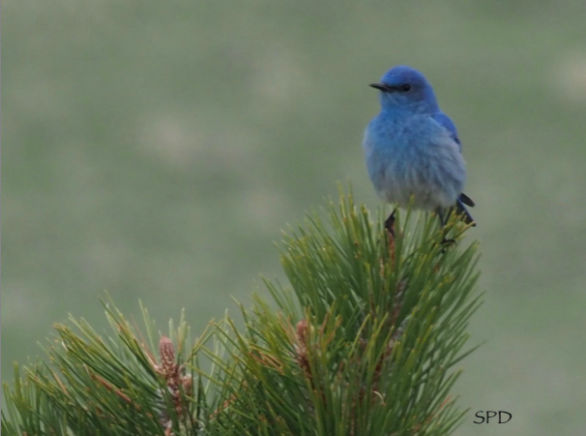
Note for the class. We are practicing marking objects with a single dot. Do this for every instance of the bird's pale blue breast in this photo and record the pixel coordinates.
(414, 155)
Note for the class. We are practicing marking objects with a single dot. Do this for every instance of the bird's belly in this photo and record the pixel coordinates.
(422, 196)
(402, 178)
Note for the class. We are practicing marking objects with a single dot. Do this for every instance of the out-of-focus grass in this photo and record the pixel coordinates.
(155, 149)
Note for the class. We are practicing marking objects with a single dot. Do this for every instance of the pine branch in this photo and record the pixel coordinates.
(364, 341)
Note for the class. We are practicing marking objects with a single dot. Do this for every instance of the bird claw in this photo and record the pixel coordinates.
(390, 224)
(446, 242)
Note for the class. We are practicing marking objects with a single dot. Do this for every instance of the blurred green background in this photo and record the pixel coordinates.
(155, 150)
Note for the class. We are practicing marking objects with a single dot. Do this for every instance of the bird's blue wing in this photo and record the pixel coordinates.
(463, 199)
(446, 122)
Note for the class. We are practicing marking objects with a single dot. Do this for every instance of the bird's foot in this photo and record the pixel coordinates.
(390, 228)
(446, 242)
(390, 224)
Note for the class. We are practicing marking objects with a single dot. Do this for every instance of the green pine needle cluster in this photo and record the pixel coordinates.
(364, 340)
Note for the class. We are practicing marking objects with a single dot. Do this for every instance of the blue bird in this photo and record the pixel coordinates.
(412, 148)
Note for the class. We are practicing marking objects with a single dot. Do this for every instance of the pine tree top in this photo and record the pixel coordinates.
(363, 340)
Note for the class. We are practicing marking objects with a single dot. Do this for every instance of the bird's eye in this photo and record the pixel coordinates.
(405, 88)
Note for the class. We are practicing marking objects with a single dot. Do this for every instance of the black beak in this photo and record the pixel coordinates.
(379, 86)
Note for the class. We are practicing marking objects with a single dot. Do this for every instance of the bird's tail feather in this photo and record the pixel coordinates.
(462, 211)
(466, 200)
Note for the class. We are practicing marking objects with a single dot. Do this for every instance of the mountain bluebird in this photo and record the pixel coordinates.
(412, 148)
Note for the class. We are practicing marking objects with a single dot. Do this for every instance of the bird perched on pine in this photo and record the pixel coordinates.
(412, 148)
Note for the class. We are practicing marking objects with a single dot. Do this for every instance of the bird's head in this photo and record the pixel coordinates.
(403, 87)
